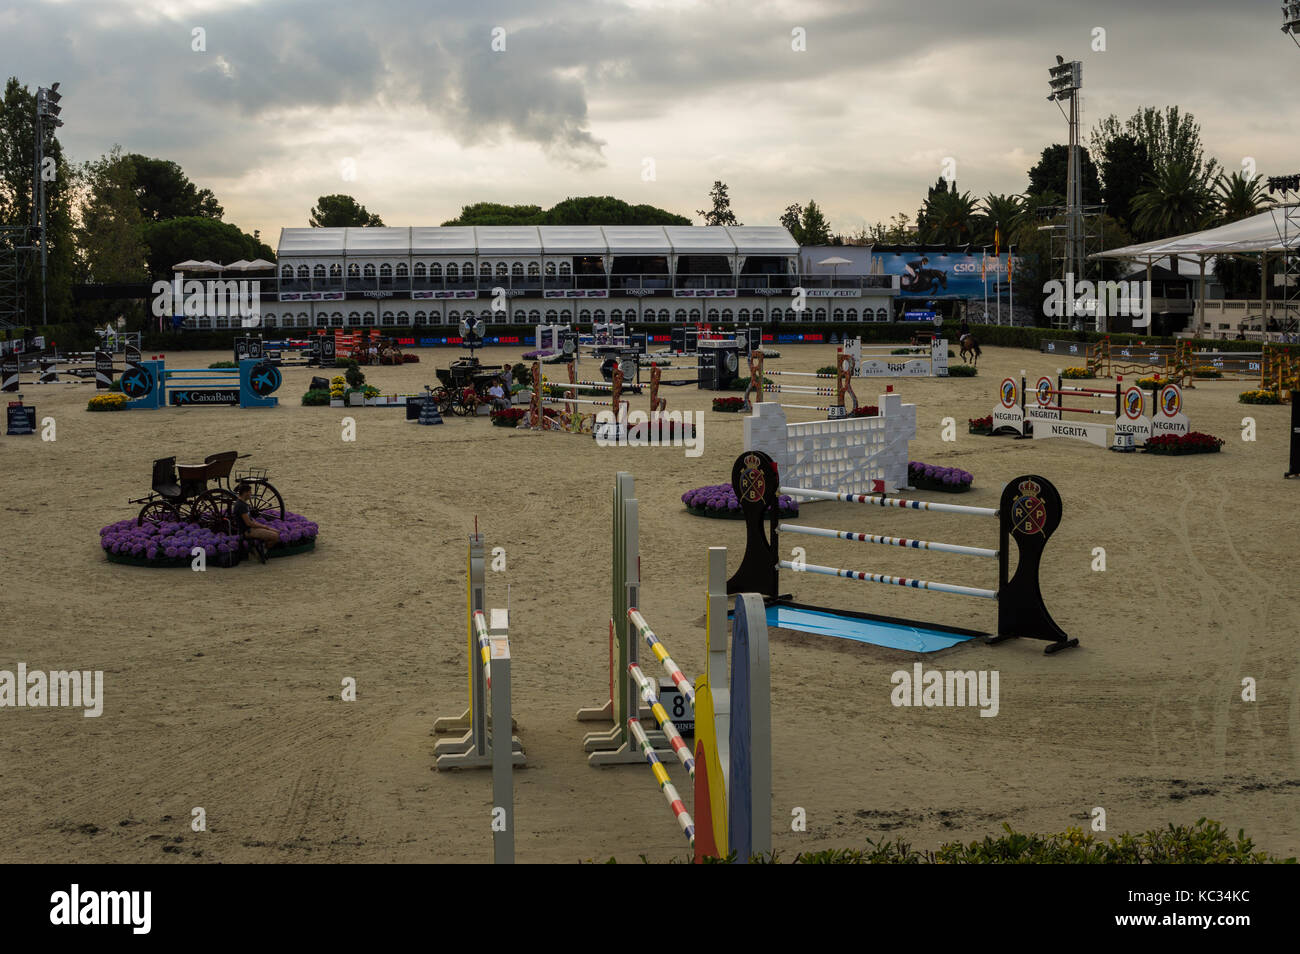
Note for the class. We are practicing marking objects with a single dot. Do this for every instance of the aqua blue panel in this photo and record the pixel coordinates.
(916, 639)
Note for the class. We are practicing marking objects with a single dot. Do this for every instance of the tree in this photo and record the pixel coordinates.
(17, 149)
(1173, 202)
(1170, 137)
(1051, 173)
(940, 187)
(790, 221)
(813, 228)
(721, 213)
(198, 237)
(165, 192)
(1237, 197)
(109, 234)
(949, 218)
(897, 232)
(1125, 168)
(1036, 267)
(998, 215)
(581, 210)
(341, 211)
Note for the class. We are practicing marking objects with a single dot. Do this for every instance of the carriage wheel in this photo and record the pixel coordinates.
(265, 501)
(215, 510)
(160, 511)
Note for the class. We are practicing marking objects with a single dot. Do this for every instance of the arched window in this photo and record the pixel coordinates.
(389, 318)
(368, 319)
(435, 270)
(354, 318)
(336, 272)
(304, 321)
(663, 314)
(616, 314)
(403, 318)
(535, 316)
(532, 270)
(551, 315)
(517, 270)
(820, 314)
(453, 316)
(419, 318)
(402, 270)
(713, 314)
(566, 268)
(584, 315)
(286, 272)
(852, 314)
(386, 272)
(744, 314)
(882, 314)
(419, 270)
(550, 269)
(268, 320)
(368, 271)
(318, 273)
(681, 314)
(336, 319)
(838, 314)
(453, 272)
(503, 270)
(695, 314)
(485, 270)
(468, 271)
(354, 270)
(726, 314)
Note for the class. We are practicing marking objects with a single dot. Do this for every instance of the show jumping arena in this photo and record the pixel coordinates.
(224, 690)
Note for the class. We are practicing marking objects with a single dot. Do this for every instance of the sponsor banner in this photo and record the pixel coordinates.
(879, 367)
(706, 293)
(1040, 413)
(188, 397)
(442, 295)
(1098, 434)
(1137, 355)
(291, 296)
(1077, 349)
(1170, 418)
(9, 370)
(941, 274)
(104, 370)
(575, 293)
(831, 293)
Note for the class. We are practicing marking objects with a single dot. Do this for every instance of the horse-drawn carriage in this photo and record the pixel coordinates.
(204, 493)
(463, 386)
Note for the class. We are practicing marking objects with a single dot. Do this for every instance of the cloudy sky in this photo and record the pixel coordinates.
(408, 106)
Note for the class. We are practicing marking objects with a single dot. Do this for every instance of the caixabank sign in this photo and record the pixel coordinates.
(201, 397)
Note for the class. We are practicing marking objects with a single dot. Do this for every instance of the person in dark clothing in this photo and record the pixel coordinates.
(258, 534)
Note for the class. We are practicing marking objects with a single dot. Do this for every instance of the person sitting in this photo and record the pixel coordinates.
(258, 534)
(497, 393)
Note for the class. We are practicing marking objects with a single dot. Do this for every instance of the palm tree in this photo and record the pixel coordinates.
(949, 219)
(1175, 201)
(1239, 198)
(999, 213)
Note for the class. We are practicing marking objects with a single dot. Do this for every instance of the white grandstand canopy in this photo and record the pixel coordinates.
(1259, 233)
(531, 240)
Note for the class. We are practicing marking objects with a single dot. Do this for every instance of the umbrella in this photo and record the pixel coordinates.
(258, 264)
(188, 265)
(237, 266)
(834, 262)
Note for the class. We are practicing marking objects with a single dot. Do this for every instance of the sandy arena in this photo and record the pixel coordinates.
(222, 688)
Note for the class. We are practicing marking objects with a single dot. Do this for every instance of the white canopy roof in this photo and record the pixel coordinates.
(531, 240)
(1259, 233)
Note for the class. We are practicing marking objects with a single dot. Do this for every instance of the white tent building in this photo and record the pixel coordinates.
(431, 277)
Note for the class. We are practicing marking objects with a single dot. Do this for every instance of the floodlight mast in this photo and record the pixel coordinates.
(1065, 80)
(47, 120)
(1291, 20)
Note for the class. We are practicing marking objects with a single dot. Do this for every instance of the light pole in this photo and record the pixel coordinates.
(1065, 80)
(47, 119)
(1291, 19)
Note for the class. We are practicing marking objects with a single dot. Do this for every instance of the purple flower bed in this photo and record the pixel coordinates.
(719, 500)
(169, 542)
(951, 480)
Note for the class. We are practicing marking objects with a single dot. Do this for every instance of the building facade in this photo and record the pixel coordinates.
(417, 277)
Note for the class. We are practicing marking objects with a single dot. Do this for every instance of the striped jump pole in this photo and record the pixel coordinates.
(887, 541)
(661, 776)
(731, 763)
(1029, 512)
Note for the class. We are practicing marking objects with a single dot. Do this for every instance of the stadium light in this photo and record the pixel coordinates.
(1065, 78)
(1291, 19)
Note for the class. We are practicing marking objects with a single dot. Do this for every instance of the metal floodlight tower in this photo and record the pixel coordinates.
(1289, 235)
(1291, 19)
(1065, 80)
(47, 120)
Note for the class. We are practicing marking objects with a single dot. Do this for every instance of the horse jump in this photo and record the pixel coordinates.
(488, 644)
(1029, 512)
(843, 377)
(1127, 415)
(731, 764)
